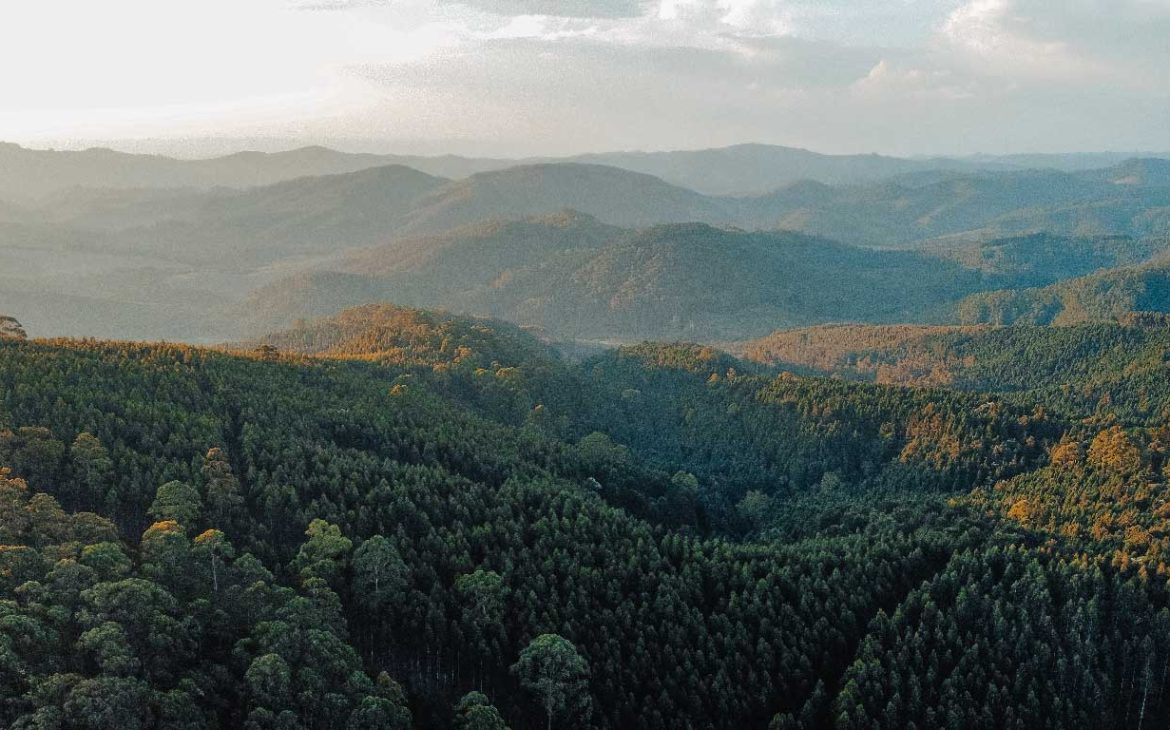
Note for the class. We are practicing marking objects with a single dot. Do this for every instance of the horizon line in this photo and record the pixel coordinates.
(286, 145)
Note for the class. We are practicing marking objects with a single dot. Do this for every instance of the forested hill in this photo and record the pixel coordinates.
(575, 277)
(353, 528)
(1100, 297)
(1102, 371)
(412, 337)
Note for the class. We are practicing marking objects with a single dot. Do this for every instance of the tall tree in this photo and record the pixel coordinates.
(551, 668)
(483, 594)
(92, 472)
(177, 501)
(325, 554)
(475, 712)
(379, 574)
(224, 502)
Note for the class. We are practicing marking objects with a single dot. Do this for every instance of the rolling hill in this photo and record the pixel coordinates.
(1102, 297)
(325, 215)
(757, 168)
(742, 169)
(614, 196)
(28, 174)
(981, 205)
(1040, 259)
(398, 335)
(1108, 370)
(577, 278)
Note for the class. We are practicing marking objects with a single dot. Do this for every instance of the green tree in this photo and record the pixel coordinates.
(92, 471)
(551, 668)
(108, 560)
(475, 712)
(224, 502)
(379, 574)
(384, 709)
(325, 554)
(754, 508)
(176, 501)
(166, 552)
(269, 679)
(482, 593)
(212, 549)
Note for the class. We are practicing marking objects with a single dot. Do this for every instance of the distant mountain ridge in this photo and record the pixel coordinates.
(744, 169)
(614, 195)
(327, 214)
(639, 257)
(983, 205)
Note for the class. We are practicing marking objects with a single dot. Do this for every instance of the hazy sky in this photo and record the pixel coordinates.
(557, 76)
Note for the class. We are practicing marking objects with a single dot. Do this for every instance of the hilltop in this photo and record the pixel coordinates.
(411, 337)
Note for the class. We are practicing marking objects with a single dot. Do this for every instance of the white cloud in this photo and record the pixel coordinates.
(559, 8)
(997, 37)
(887, 80)
(565, 75)
(1085, 42)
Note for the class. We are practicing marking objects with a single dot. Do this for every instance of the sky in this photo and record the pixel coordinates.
(545, 77)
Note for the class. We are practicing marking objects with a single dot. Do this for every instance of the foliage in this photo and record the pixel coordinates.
(360, 542)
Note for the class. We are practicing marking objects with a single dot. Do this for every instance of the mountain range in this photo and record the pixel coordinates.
(578, 249)
(27, 174)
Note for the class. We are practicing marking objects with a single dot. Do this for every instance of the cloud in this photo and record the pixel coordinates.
(553, 76)
(890, 80)
(999, 37)
(606, 95)
(1085, 42)
(689, 79)
(559, 8)
(507, 8)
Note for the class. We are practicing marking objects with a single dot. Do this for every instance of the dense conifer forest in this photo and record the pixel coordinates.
(402, 519)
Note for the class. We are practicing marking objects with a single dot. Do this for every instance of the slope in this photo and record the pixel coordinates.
(1101, 297)
(615, 196)
(1108, 372)
(416, 337)
(983, 204)
(577, 278)
(322, 521)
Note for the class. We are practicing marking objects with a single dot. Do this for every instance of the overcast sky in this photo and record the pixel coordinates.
(511, 77)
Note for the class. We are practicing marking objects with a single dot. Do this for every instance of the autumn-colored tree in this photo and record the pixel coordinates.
(1114, 449)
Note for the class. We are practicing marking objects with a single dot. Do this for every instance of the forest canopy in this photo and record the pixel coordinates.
(435, 521)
